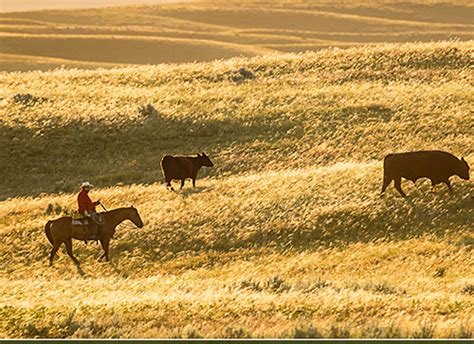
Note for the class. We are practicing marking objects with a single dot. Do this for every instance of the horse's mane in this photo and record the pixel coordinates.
(115, 210)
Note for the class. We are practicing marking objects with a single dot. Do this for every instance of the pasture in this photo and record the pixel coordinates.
(286, 236)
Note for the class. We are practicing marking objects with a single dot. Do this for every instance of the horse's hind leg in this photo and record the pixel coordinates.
(105, 245)
(53, 252)
(68, 243)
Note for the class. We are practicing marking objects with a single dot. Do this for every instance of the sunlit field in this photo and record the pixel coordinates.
(287, 236)
(207, 30)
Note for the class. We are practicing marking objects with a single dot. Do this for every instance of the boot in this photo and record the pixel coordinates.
(94, 231)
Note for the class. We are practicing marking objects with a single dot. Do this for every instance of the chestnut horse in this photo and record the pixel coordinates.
(62, 231)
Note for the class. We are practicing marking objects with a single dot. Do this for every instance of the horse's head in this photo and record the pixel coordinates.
(135, 217)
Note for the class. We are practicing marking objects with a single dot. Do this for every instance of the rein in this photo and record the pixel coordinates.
(121, 225)
(126, 226)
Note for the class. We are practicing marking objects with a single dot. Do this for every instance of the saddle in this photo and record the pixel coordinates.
(87, 227)
(82, 220)
(79, 220)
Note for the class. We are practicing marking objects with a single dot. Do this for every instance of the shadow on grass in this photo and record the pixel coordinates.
(184, 246)
(372, 112)
(185, 192)
(57, 157)
(81, 272)
(392, 219)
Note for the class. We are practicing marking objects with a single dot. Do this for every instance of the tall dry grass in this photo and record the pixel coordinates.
(286, 237)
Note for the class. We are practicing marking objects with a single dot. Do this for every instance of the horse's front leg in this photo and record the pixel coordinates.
(105, 242)
(68, 243)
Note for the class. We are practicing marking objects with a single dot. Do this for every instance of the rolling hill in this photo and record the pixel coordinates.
(205, 31)
(286, 237)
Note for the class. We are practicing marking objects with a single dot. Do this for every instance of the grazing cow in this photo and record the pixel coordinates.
(435, 165)
(183, 167)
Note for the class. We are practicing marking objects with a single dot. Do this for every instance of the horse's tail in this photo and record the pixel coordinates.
(47, 229)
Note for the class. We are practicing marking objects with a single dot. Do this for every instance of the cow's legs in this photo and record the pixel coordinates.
(53, 252)
(448, 183)
(436, 182)
(168, 184)
(68, 243)
(182, 183)
(398, 186)
(386, 181)
(194, 182)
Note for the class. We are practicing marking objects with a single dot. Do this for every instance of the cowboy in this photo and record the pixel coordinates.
(87, 208)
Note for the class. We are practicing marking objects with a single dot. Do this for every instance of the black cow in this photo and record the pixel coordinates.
(435, 165)
(183, 167)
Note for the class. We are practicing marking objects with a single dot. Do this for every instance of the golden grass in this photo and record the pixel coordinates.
(358, 104)
(244, 254)
(286, 237)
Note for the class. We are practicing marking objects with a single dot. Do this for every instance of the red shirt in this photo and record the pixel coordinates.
(85, 203)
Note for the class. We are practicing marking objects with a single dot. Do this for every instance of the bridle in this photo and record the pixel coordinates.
(121, 225)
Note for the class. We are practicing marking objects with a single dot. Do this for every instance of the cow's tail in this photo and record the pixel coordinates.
(165, 169)
(386, 179)
(386, 162)
(388, 156)
(47, 230)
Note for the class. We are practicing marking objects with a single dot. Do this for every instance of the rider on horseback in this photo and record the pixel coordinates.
(87, 208)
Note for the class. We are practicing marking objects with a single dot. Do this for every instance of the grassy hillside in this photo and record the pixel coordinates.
(286, 237)
(204, 31)
(298, 111)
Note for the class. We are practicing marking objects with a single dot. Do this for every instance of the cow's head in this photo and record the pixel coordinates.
(205, 161)
(464, 172)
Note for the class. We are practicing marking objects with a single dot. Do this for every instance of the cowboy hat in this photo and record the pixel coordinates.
(86, 185)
